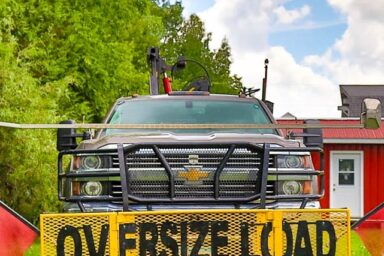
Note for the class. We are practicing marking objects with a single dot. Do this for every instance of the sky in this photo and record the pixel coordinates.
(312, 47)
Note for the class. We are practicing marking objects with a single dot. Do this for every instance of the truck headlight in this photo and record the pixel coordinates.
(92, 188)
(292, 187)
(294, 161)
(90, 162)
(297, 187)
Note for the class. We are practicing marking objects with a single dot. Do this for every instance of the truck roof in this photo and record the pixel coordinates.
(192, 96)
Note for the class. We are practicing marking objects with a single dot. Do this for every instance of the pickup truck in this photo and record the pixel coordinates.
(186, 151)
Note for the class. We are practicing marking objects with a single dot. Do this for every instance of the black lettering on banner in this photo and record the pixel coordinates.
(244, 234)
(267, 228)
(202, 228)
(218, 241)
(148, 245)
(303, 236)
(65, 232)
(289, 239)
(321, 228)
(183, 238)
(91, 243)
(167, 240)
(124, 243)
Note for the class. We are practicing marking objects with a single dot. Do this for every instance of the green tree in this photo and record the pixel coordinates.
(188, 38)
(224, 81)
(91, 52)
(63, 59)
(70, 59)
(27, 165)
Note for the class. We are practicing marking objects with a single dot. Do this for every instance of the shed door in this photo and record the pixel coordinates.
(346, 189)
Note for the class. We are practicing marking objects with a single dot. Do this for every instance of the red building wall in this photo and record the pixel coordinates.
(373, 172)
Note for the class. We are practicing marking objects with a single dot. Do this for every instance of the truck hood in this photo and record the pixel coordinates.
(172, 138)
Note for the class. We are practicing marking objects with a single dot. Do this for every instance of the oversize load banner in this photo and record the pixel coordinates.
(184, 233)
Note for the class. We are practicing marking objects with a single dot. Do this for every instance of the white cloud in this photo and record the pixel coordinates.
(292, 87)
(358, 56)
(310, 88)
(372, 10)
(245, 23)
(285, 16)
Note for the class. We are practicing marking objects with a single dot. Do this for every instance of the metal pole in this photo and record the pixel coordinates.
(265, 80)
(153, 59)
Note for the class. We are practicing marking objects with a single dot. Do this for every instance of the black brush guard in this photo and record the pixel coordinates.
(122, 152)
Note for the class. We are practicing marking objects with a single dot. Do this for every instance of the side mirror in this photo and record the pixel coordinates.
(66, 137)
(371, 113)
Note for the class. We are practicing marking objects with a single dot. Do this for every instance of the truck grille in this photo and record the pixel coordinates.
(194, 169)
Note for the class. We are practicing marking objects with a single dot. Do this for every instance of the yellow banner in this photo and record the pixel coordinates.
(199, 232)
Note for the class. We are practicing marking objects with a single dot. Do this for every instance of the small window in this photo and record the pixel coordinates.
(346, 165)
(346, 172)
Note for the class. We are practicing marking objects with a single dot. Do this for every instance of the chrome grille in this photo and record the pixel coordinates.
(149, 179)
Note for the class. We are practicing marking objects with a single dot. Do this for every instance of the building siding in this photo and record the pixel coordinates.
(373, 172)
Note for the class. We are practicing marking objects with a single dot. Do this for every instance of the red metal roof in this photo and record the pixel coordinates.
(340, 133)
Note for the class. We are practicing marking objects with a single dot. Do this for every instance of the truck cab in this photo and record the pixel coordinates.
(186, 150)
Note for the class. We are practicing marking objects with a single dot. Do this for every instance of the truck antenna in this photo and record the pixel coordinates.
(264, 92)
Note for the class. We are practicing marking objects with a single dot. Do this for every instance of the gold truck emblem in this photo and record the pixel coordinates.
(193, 173)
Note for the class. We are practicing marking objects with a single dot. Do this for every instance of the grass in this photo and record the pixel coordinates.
(34, 250)
(357, 246)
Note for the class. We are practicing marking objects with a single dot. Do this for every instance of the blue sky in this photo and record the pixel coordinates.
(324, 26)
(195, 6)
(314, 35)
(312, 47)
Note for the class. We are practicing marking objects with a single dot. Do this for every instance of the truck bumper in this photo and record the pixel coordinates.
(107, 207)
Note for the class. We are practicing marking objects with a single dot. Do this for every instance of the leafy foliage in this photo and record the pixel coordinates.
(69, 59)
(188, 38)
(26, 159)
(90, 51)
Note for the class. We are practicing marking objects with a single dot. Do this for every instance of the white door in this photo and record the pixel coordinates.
(346, 182)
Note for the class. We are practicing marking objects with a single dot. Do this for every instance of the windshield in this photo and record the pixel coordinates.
(187, 111)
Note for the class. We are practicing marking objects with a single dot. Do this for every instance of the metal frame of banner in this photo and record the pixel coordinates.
(368, 215)
(19, 217)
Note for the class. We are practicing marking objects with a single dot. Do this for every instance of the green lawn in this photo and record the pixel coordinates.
(34, 250)
(357, 246)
